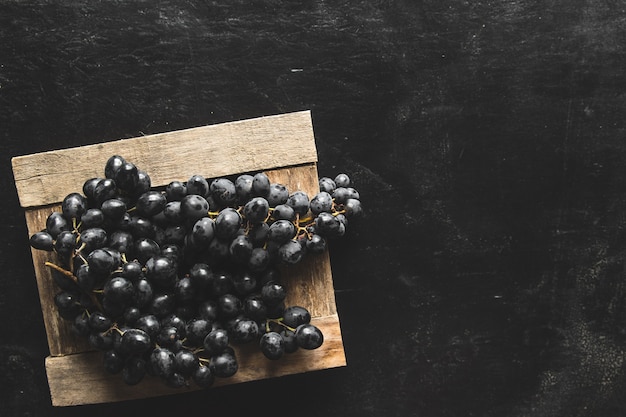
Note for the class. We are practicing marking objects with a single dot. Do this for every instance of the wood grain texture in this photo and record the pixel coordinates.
(75, 380)
(215, 150)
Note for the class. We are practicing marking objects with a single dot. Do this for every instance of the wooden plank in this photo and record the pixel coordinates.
(80, 379)
(216, 150)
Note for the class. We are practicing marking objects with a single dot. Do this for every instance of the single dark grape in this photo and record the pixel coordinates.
(227, 223)
(259, 260)
(327, 184)
(145, 248)
(289, 338)
(201, 275)
(74, 206)
(342, 180)
(244, 283)
(134, 370)
(278, 194)
(174, 235)
(223, 191)
(92, 238)
(244, 331)
(299, 201)
(135, 341)
(353, 207)
(316, 244)
(113, 361)
(113, 165)
(193, 207)
(144, 183)
(293, 316)
(320, 202)
(172, 212)
(150, 203)
(273, 293)
(80, 326)
(176, 380)
(42, 241)
(197, 184)
(223, 365)
(185, 290)
(161, 271)
(197, 330)
(309, 336)
(281, 231)
(104, 190)
(142, 227)
(56, 223)
(89, 187)
(208, 310)
(113, 209)
(257, 234)
(175, 191)
(186, 362)
(203, 230)
(122, 241)
(284, 212)
(162, 305)
(327, 225)
(101, 341)
(127, 178)
(162, 362)
(229, 305)
(169, 338)
(260, 185)
(291, 252)
(203, 377)
(216, 341)
(254, 307)
(243, 187)
(272, 345)
(93, 217)
(131, 315)
(99, 322)
(222, 283)
(240, 249)
(150, 324)
(103, 261)
(256, 210)
(143, 293)
(65, 243)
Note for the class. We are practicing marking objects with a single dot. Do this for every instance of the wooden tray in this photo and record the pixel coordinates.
(282, 146)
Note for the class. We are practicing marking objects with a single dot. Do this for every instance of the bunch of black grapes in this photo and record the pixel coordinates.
(165, 281)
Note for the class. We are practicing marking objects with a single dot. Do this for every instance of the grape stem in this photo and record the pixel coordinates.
(61, 270)
(279, 322)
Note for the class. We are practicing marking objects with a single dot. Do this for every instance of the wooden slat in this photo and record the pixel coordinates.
(80, 379)
(216, 150)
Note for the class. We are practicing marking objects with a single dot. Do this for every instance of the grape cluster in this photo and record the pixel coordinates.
(165, 280)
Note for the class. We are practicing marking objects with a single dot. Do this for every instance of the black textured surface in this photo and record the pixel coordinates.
(487, 139)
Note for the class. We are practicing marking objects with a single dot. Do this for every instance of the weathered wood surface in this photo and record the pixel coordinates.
(309, 284)
(75, 380)
(216, 150)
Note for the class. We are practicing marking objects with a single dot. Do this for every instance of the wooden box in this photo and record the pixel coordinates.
(282, 146)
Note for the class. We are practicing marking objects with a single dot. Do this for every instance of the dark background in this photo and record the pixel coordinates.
(487, 140)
